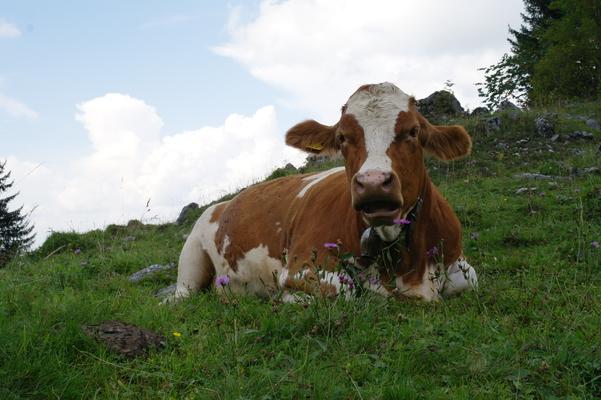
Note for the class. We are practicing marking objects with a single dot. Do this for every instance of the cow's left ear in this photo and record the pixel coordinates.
(445, 142)
(312, 137)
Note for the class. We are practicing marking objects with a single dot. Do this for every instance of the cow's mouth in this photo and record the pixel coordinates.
(380, 212)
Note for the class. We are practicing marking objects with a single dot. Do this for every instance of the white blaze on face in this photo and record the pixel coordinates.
(376, 109)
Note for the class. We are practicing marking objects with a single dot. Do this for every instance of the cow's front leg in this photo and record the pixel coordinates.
(460, 276)
(311, 283)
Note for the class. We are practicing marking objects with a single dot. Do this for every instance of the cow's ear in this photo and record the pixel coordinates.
(312, 137)
(445, 142)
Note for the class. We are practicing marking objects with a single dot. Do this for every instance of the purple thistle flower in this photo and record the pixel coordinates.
(330, 245)
(402, 221)
(346, 280)
(222, 280)
(432, 252)
(77, 251)
(595, 244)
(373, 280)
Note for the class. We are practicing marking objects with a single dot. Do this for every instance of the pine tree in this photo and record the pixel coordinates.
(570, 66)
(511, 77)
(15, 232)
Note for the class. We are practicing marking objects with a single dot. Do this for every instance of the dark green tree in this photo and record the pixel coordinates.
(511, 77)
(15, 231)
(570, 66)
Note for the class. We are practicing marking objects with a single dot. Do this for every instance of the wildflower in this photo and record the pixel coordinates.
(222, 280)
(595, 244)
(176, 334)
(373, 280)
(402, 221)
(432, 252)
(346, 280)
(330, 245)
(77, 251)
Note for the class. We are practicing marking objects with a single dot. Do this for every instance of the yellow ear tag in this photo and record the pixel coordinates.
(315, 146)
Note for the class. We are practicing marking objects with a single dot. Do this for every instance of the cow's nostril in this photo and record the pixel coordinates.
(387, 181)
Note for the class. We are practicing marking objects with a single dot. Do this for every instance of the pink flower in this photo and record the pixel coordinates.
(330, 245)
(374, 280)
(346, 280)
(222, 280)
(402, 221)
(432, 252)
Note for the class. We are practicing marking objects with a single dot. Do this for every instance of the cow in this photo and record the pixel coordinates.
(279, 236)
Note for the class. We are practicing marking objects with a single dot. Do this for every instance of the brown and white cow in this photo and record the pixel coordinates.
(382, 138)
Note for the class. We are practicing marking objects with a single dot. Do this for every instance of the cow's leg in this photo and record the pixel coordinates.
(195, 269)
(460, 276)
(308, 283)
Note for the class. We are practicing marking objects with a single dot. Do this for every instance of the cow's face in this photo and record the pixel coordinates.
(382, 138)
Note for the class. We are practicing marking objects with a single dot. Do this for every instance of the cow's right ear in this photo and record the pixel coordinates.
(313, 137)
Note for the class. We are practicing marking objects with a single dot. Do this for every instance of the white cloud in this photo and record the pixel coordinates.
(131, 163)
(320, 51)
(15, 108)
(8, 30)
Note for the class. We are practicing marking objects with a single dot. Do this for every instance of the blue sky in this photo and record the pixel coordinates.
(72, 51)
(105, 105)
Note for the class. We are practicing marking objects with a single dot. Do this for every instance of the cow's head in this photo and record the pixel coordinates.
(382, 137)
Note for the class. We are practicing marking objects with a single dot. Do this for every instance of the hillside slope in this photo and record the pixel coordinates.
(530, 331)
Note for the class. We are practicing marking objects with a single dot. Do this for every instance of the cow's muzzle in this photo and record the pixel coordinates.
(377, 195)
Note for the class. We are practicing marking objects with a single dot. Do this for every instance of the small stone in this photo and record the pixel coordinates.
(577, 152)
(545, 126)
(593, 123)
(134, 223)
(183, 215)
(493, 124)
(581, 135)
(589, 171)
(507, 105)
(149, 272)
(525, 189)
(480, 111)
(440, 105)
(530, 175)
(166, 291)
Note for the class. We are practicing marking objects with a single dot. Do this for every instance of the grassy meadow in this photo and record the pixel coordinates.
(531, 331)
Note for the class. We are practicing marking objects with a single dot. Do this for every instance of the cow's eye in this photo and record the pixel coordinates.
(341, 139)
(414, 131)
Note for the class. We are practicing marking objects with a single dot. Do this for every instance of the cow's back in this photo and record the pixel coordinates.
(252, 236)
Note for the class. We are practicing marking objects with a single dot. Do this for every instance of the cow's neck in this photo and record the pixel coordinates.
(374, 239)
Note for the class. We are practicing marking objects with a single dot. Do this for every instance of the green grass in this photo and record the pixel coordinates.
(532, 330)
